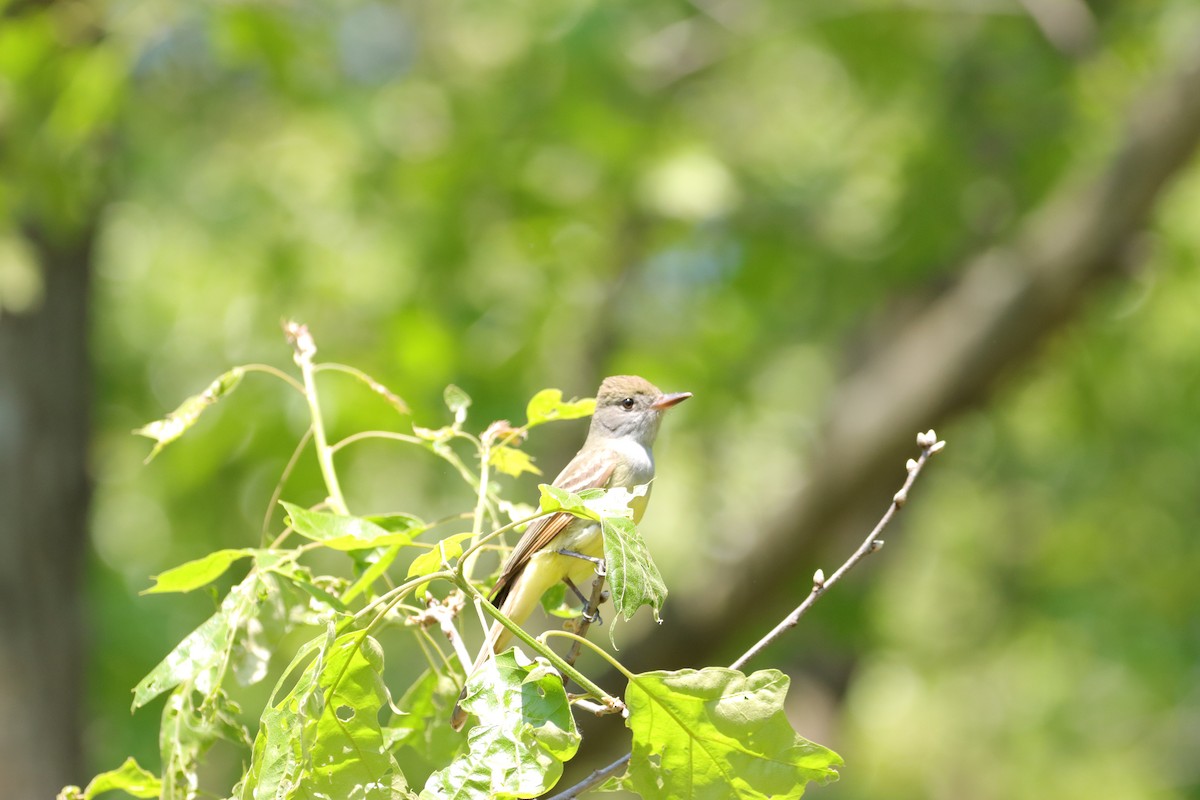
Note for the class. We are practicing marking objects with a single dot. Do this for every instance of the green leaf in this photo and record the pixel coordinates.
(204, 650)
(432, 560)
(525, 733)
(547, 406)
(458, 402)
(396, 522)
(372, 573)
(323, 739)
(342, 532)
(512, 461)
(195, 574)
(557, 602)
(419, 746)
(129, 778)
(715, 734)
(175, 424)
(187, 731)
(634, 577)
(555, 499)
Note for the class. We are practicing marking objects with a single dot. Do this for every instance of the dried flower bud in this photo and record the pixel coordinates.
(502, 429)
(937, 447)
(301, 340)
(876, 545)
(911, 466)
(819, 578)
(900, 499)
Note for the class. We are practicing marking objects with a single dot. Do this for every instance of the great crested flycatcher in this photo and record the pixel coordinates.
(563, 547)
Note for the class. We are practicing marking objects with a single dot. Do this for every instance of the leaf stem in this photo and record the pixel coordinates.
(278, 491)
(304, 350)
(485, 457)
(539, 647)
(276, 372)
(600, 651)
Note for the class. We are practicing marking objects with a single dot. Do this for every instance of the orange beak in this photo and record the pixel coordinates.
(665, 401)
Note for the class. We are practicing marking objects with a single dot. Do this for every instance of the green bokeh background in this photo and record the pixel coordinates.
(725, 197)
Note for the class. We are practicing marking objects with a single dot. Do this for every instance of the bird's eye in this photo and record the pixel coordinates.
(627, 403)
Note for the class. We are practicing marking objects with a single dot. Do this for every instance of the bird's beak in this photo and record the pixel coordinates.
(665, 401)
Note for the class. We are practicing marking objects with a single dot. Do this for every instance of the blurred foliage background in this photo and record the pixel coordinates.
(740, 198)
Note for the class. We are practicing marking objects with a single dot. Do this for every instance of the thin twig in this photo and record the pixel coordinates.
(278, 491)
(597, 777)
(304, 349)
(930, 445)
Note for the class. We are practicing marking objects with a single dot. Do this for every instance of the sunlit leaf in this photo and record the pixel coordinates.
(197, 658)
(635, 578)
(129, 778)
(548, 405)
(512, 461)
(175, 424)
(324, 600)
(195, 574)
(555, 499)
(715, 734)
(524, 734)
(396, 522)
(342, 532)
(323, 738)
(433, 559)
(188, 729)
(421, 747)
(372, 573)
(633, 575)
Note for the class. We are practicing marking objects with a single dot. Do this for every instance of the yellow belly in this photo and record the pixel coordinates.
(548, 566)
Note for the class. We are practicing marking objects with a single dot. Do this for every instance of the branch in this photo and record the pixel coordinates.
(1007, 301)
(930, 445)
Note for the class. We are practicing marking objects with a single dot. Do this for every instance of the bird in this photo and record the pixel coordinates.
(562, 547)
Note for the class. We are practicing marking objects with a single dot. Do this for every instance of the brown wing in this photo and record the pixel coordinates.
(590, 470)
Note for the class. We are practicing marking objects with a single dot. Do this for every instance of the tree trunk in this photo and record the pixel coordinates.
(44, 396)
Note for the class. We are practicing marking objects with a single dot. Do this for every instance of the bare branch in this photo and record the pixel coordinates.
(930, 445)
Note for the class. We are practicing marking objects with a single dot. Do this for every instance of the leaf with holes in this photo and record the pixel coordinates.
(200, 656)
(175, 424)
(524, 734)
(419, 746)
(323, 738)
